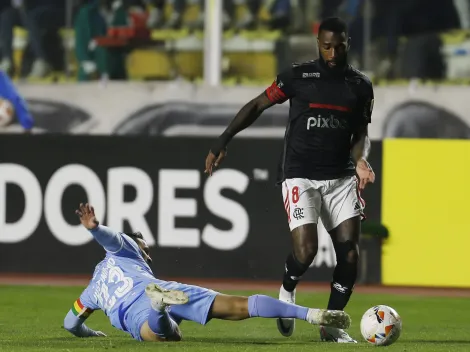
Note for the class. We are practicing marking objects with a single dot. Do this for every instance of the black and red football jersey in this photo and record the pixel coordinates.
(326, 108)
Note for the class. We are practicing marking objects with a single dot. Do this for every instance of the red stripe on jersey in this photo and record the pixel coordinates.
(275, 94)
(329, 107)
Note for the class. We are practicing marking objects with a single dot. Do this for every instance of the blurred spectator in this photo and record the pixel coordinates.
(36, 17)
(156, 18)
(329, 8)
(249, 21)
(393, 19)
(93, 20)
(280, 11)
(156, 10)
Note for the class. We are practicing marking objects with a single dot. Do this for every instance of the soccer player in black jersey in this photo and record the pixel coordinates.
(323, 165)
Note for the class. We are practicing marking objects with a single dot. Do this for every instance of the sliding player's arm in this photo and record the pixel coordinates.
(113, 242)
(360, 140)
(280, 91)
(74, 321)
(110, 240)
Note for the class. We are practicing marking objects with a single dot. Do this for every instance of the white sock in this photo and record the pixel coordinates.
(314, 315)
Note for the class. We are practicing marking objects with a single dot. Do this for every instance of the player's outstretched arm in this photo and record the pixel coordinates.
(281, 90)
(110, 240)
(74, 321)
(248, 114)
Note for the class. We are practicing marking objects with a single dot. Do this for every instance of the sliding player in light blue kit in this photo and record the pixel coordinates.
(123, 276)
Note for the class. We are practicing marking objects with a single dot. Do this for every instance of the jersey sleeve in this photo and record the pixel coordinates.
(282, 88)
(85, 304)
(129, 247)
(114, 242)
(81, 309)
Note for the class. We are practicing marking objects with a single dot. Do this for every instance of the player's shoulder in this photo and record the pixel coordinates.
(303, 69)
(358, 77)
(305, 64)
(130, 247)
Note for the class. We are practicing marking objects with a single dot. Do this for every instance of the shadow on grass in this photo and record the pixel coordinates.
(77, 343)
(442, 342)
(189, 340)
(245, 341)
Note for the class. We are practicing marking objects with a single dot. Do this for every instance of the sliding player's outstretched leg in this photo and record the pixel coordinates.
(228, 307)
(200, 305)
(160, 326)
(162, 296)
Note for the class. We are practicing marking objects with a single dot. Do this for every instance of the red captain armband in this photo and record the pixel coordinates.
(275, 94)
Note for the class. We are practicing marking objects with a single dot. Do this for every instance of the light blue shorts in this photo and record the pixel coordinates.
(197, 309)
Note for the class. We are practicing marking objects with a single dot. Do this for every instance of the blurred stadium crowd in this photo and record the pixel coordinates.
(163, 39)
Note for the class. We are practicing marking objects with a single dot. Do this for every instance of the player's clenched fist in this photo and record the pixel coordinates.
(87, 216)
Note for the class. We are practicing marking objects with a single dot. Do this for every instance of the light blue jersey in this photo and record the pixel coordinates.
(118, 281)
(118, 289)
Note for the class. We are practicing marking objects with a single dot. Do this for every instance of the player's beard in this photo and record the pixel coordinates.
(340, 64)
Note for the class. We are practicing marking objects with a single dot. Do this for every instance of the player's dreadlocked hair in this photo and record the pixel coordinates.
(333, 24)
(135, 235)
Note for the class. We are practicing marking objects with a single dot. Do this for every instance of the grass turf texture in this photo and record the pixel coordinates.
(31, 320)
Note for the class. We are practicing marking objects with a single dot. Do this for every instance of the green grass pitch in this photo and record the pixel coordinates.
(31, 320)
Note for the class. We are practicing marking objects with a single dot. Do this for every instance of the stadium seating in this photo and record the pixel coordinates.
(248, 56)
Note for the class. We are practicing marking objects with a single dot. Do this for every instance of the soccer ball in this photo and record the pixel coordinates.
(6, 112)
(381, 325)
